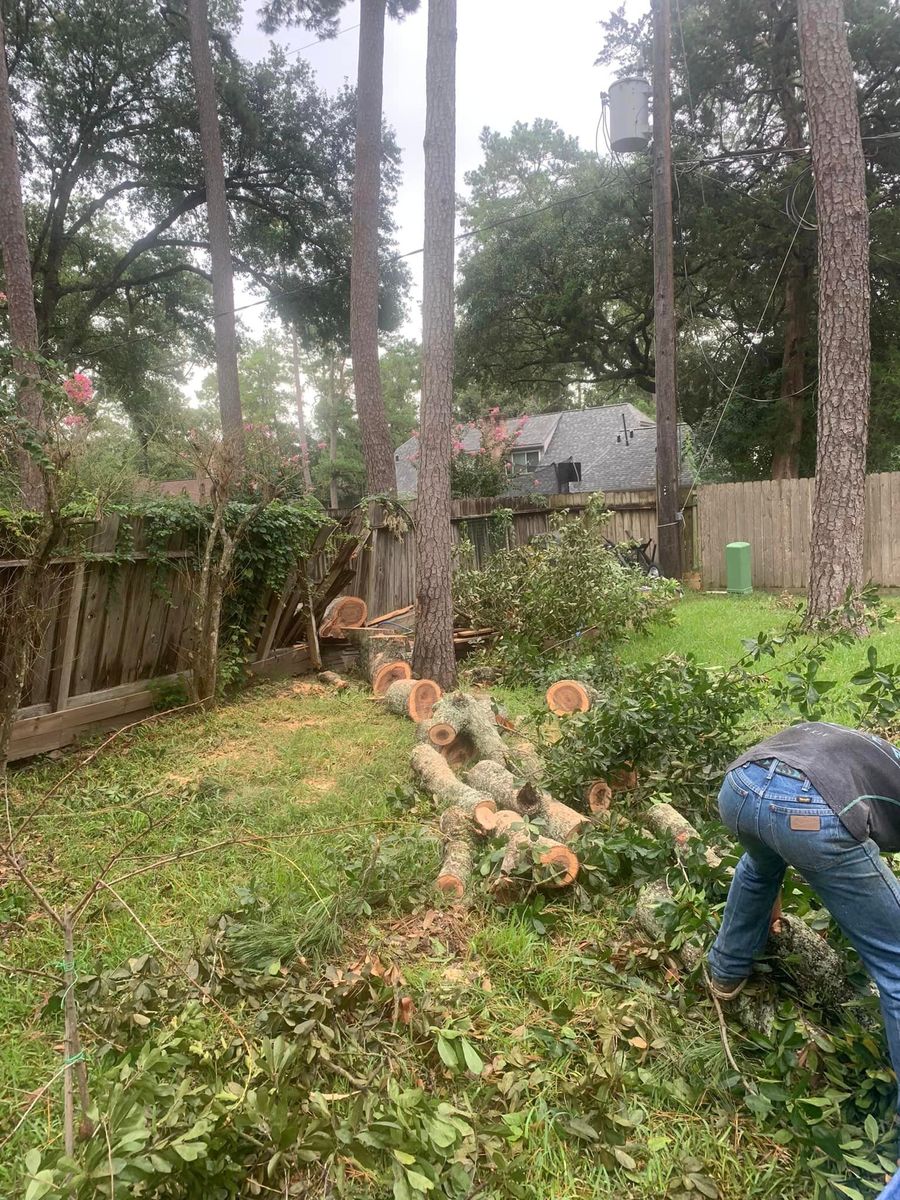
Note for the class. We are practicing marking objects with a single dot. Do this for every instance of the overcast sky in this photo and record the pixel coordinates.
(516, 60)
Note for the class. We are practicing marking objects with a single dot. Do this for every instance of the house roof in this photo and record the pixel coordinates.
(594, 437)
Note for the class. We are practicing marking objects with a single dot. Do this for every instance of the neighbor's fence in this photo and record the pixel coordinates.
(386, 573)
(775, 517)
(119, 625)
(119, 629)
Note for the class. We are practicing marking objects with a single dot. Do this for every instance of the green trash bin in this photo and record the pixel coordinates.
(737, 568)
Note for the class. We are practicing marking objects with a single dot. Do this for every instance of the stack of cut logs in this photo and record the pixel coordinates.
(467, 733)
(469, 755)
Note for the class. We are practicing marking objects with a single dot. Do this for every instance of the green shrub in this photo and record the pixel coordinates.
(547, 595)
(678, 723)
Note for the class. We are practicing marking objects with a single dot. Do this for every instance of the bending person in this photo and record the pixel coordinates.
(826, 801)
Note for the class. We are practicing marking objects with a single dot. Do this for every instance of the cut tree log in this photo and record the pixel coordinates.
(522, 759)
(388, 673)
(376, 648)
(663, 819)
(472, 715)
(436, 776)
(413, 698)
(461, 752)
(344, 612)
(561, 822)
(530, 862)
(570, 696)
(598, 796)
(333, 680)
(625, 780)
(459, 852)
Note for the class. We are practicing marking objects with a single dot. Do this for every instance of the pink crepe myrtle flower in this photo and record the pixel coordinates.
(320, 445)
(495, 411)
(74, 420)
(3, 299)
(79, 388)
(457, 445)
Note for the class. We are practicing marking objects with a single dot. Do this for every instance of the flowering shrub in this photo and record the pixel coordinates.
(79, 389)
(483, 469)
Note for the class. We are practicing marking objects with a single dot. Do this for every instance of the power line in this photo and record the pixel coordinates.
(318, 42)
(689, 288)
(737, 377)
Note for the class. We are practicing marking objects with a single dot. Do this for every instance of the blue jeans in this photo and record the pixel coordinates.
(850, 878)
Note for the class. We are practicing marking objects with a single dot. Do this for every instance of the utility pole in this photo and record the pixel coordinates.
(668, 464)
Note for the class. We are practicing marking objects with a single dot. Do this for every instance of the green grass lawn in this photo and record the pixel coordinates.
(300, 787)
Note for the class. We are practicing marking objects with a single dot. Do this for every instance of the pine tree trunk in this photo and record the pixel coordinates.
(797, 281)
(433, 656)
(332, 435)
(19, 291)
(301, 417)
(786, 459)
(836, 549)
(217, 219)
(377, 444)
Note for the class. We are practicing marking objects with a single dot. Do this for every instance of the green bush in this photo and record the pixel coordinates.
(678, 723)
(547, 595)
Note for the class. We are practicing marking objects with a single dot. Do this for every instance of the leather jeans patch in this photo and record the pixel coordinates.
(803, 822)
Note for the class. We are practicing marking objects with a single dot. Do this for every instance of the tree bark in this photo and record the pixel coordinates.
(217, 219)
(377, 444)
(836, 549)
(19, 294)
(434, 655)
(332, 436)
(786, 458)
(301, 417)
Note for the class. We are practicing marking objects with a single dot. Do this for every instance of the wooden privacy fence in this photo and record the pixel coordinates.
(118, 626)
(386, 573)
(775, 517)
(119, 630)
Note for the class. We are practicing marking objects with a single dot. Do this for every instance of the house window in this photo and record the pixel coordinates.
(525, 460)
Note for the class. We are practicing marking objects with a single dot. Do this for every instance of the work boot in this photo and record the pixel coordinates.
(726, 989)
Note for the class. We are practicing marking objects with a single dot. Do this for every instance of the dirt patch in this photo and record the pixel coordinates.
(307, 689)
(319, 783)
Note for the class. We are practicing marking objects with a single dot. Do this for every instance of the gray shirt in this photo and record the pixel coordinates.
(857, 774)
